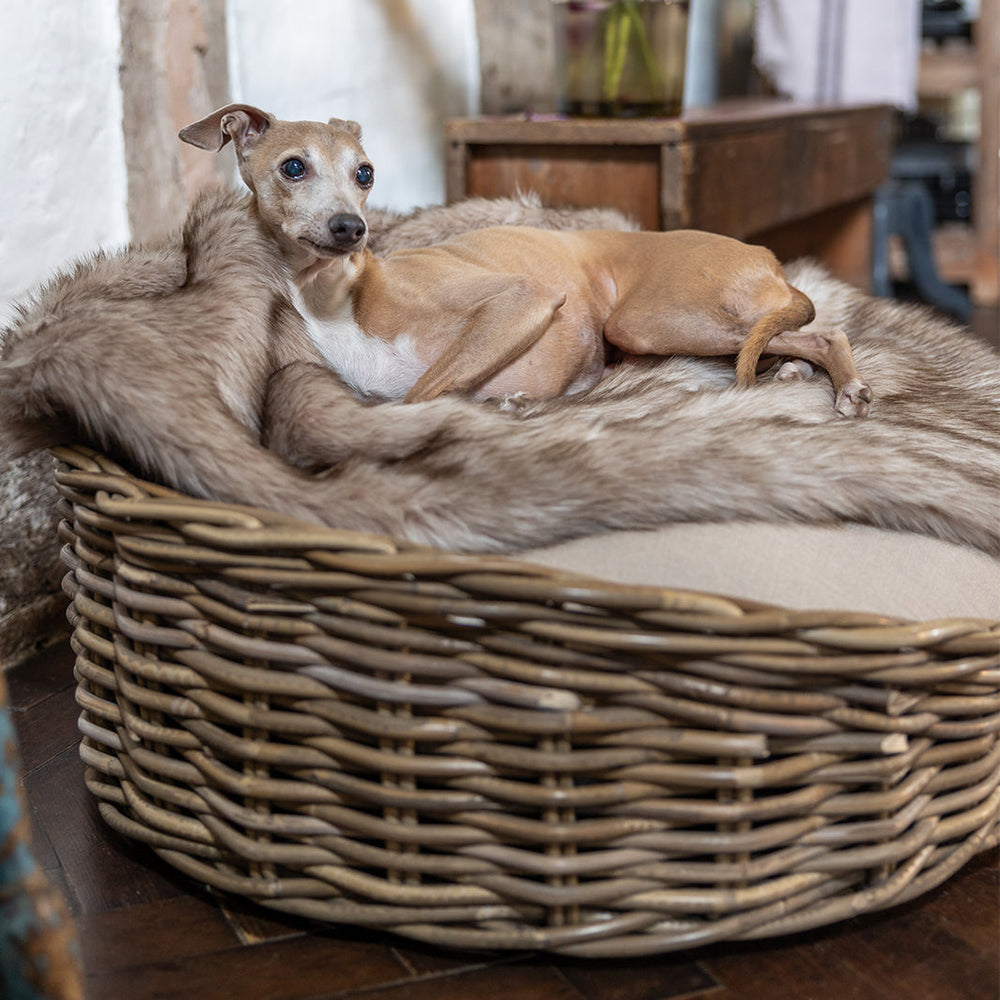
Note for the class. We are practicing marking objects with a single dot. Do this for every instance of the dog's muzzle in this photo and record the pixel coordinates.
(346, 231)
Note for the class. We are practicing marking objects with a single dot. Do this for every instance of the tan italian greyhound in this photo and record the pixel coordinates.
(508, 310)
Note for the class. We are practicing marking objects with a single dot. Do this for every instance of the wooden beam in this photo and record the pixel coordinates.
(516, 55)
(986, 191)
(173, 71)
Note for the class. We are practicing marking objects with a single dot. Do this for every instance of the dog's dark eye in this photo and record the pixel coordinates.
(293, 168)
(365, 175)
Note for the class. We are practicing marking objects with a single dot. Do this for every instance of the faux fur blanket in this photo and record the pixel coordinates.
(654, 443)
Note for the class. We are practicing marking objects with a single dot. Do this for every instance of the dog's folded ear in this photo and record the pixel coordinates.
(239, 122)
(348, 126)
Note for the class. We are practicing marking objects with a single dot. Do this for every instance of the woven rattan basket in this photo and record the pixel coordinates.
(478, 752)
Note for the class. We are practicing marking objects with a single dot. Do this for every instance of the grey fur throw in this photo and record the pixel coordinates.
(673, 440)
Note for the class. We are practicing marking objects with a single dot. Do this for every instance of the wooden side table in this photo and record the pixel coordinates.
(797, 178)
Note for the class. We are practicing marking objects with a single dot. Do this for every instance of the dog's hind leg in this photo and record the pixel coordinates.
(831, 350)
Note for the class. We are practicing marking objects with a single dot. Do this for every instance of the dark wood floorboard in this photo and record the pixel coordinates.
(148, 933)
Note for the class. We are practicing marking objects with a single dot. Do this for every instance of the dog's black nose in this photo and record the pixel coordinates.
(347, 230)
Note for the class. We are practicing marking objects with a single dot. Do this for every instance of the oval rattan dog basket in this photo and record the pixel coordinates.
(478, 752)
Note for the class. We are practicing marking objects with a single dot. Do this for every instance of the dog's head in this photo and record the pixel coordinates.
(310, 180)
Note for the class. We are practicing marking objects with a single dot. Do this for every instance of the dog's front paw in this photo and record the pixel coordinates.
(854, 399)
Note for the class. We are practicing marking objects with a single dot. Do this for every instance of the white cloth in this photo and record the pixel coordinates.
(852, 51)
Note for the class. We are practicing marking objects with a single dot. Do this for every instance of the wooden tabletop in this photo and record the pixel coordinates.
(724, 118)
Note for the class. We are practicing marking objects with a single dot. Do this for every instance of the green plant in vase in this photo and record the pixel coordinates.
(621, 57)
(622, 19)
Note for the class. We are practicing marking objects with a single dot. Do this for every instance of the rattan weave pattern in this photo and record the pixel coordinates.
(479, 752)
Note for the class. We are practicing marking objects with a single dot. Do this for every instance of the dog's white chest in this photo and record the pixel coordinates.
(367, 364)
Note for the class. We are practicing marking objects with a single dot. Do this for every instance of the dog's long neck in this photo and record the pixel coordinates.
(326, 284)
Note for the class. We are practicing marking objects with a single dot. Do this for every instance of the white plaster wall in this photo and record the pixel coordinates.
(399, 67)
(62, 161)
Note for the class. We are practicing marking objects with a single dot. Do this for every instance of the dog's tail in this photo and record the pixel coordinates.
(793, 316)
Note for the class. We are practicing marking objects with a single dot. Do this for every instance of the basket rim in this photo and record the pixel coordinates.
(236, 528)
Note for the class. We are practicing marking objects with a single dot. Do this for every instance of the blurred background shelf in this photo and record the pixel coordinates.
(959, 95)
(945, 155)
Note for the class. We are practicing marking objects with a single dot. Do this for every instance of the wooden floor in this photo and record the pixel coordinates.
(147, 932)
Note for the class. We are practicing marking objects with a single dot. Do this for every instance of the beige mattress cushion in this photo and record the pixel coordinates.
(844, 567)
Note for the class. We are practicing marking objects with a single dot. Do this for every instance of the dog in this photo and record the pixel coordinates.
(506, 311)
